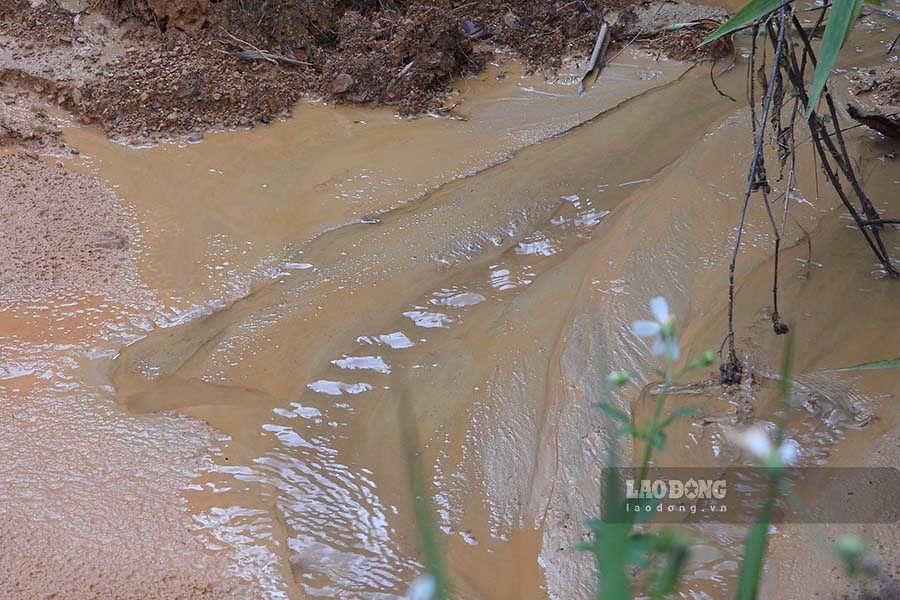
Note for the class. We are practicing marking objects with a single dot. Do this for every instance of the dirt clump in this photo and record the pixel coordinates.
(149, 69)
(407, 61)
(24, 126)
(184, 14)
(673, 29)
(684, 44)
(880, 85)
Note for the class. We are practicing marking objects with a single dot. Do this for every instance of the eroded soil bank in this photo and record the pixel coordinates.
(204, 402)
(150, 69)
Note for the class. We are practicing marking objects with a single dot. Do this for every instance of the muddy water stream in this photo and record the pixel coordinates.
(300, 284)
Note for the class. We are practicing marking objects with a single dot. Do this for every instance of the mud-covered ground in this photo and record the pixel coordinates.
(147, 69)
(881, 85)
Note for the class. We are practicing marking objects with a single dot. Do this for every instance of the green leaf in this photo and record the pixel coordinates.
(684, 411)
(658, 440)
(840, 19)
(751, 566)
(675, 549)
(614, 412)
(854, 15)
(629, 429)
(893, 363)
(752, 11)
(643, 509)
(638, 547)
(610, 538)
(423, 514)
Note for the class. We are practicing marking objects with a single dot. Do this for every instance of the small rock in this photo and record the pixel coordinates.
(172, 116)
(196, 137)
(511, 20)
(31, 154)
(342, 83)
(472, 30)
(112, 240)
(46, 128)
(187, 91)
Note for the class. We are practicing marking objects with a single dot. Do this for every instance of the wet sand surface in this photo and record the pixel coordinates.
(299, 284)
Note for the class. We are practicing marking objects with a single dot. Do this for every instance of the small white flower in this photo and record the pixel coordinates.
(423, 587)
(788, 452)
(757, 442)
(664, 342)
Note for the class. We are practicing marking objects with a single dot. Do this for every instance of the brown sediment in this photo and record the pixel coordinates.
(484, 272)
(149, 69)
(91, 506)
(675, 30)
(90, 503)
(59, 231)
(880, 85)
(118, 457)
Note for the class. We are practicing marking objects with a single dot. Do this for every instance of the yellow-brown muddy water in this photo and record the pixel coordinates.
(302, 283)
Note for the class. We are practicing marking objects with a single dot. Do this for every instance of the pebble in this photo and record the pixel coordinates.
(342, 83)
(110, 239)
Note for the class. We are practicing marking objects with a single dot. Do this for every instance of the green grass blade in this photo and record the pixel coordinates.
(751, 566)
(854, 15)
(893, 363)
(757, 536)
(426, 528)
(836, 30)
(751, 11)
(684, 411)
(614, 412)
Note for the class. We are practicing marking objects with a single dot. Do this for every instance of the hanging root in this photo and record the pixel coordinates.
(830, 149)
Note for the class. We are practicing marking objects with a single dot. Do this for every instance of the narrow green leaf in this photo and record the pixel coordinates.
(644, 508)
(614, 412)
(752, 11)
(893, 363)
(836, 30)
(638, 548)
(756, 542)
(429, 542)
(629, 429)
(854, 15)
(610, 540)
(684, 411)
(676, 551)
(751, 566)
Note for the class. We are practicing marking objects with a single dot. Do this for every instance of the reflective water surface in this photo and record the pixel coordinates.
(298, 285)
